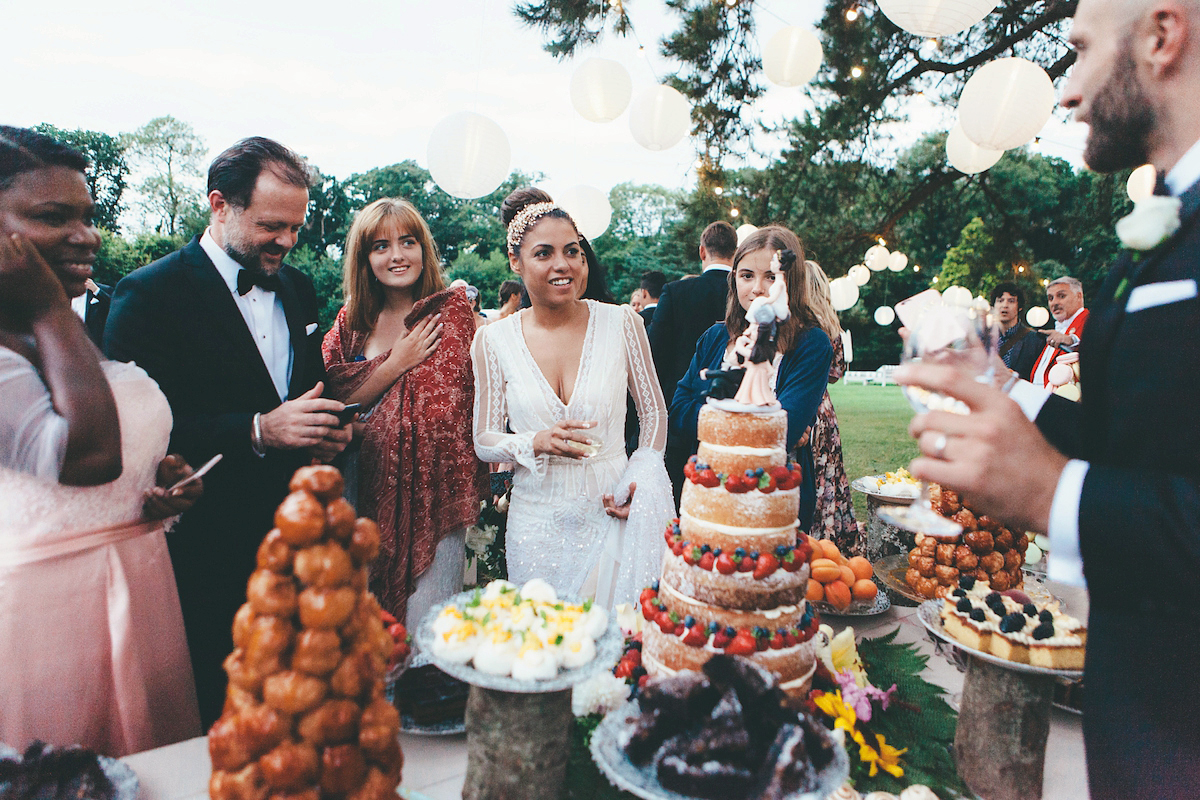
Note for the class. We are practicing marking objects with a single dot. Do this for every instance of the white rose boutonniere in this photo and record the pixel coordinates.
(1151, 222)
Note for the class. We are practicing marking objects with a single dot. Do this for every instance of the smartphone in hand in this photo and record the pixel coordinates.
(195, 476)
(346, 415)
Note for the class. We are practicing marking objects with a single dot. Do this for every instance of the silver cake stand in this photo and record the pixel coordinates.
(518, 732)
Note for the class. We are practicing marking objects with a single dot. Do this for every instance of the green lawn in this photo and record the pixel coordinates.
(874, 424)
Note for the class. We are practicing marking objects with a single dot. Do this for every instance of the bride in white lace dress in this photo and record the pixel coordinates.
(550, 381)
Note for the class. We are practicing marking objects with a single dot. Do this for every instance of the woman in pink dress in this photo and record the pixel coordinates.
(401, 346)
(92, 647)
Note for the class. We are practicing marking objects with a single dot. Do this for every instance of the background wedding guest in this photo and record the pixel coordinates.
(651, 288)
(686, 309)
(550, 392)
(833, 517)
(1019, 346)
(1064, 296)
(401, 347)
(92, 646)
(1121, 468)
(92, 308)
(229, 332)
(510, 298)
(804, 350)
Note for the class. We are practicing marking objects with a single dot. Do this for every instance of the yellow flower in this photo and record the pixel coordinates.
(843, 715)
(841, 654)
(885, 757)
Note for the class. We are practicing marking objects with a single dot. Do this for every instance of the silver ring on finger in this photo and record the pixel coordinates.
(939, 446)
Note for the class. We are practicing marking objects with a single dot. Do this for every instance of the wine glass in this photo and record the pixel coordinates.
(960, 335)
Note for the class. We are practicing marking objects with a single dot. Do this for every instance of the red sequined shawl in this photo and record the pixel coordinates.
(418, 475)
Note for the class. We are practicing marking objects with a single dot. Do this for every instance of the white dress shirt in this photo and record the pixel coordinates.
(1065, 563)
(263, 313)
(717, 265)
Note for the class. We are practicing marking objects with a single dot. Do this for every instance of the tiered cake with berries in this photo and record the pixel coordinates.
(735, 573)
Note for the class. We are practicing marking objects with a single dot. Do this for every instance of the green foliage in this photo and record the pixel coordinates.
(326, 275)
(172, 151)
(106, 173)
(919, 719)
(485, 274)
(119, 256)
(574, 22)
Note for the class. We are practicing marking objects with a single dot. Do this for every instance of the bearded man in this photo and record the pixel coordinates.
(230, 334)
(1115, 477)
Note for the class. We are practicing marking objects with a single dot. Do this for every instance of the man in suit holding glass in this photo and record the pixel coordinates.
(1116, 477)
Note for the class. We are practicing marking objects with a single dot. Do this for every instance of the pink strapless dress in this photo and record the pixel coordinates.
(92, 646)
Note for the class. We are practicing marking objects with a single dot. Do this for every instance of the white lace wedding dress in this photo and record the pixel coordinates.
(557, 527)
(92, 645)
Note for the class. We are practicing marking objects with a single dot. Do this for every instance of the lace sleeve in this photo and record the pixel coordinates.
(643, 384)
(492, 443)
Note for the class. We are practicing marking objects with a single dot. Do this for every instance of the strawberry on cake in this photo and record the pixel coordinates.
(736, 570)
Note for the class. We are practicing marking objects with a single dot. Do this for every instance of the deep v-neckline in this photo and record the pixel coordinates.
(584, 362)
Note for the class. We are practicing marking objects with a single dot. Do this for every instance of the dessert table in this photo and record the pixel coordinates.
(435, 767)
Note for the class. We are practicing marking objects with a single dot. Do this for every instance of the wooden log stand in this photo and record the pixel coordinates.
(1003, 725)
(517, 745)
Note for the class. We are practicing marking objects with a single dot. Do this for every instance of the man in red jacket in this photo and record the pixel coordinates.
(1065, 298)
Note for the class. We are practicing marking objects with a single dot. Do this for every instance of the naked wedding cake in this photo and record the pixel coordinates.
(734, 576)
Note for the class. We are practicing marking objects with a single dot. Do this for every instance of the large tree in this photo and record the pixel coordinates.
(171, 151)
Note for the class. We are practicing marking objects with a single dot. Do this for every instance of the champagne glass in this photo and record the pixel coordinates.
(586, 412)
(960, 335)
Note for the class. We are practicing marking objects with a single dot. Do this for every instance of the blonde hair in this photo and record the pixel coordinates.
(819, 299)
(364, 295)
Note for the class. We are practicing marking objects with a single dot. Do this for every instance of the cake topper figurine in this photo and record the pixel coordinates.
(754, 352)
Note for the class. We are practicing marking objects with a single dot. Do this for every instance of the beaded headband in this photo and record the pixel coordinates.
(525, 218)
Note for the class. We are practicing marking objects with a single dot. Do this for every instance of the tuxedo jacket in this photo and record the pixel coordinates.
(1138, 424)
(95, 313)
(177, 319)
(686, 309)
(1024, 354)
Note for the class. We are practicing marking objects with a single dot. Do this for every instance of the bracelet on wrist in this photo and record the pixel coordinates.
(256, 437)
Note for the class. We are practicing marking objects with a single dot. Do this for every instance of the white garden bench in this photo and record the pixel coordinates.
(881, 376)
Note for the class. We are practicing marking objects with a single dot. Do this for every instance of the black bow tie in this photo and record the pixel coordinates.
(246, 279)
(1160, 185)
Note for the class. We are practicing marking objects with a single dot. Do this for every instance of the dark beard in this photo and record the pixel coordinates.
(1121, 120)
(251, 261)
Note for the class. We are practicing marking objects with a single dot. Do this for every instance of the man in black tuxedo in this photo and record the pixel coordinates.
(1116, 478)
(686, 309)
(230, 334)
(92, 308)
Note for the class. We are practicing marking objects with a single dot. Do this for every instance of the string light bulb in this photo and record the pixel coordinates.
(851, 13)
(916, 267)
(718, 190)
(856, 72)
(733, 212)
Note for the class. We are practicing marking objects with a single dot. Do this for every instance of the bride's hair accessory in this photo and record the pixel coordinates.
(526, 217)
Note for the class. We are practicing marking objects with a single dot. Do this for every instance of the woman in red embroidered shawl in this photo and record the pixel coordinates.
(401, 346)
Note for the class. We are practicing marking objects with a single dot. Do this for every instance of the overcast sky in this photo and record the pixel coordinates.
(357, 84)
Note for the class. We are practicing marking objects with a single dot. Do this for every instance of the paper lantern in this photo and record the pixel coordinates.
(588, 206)
(745, 230)
(659, 117)
(936, 17)
(859, 274)
(1005, 103)
(885, 315)
(600, 89)
(957, 296)
(1141, 182)
(966, 156)
(468, 155)
(1037, 316)
(876, 258)
(792, 56)
(843, 293)
(897, 261)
